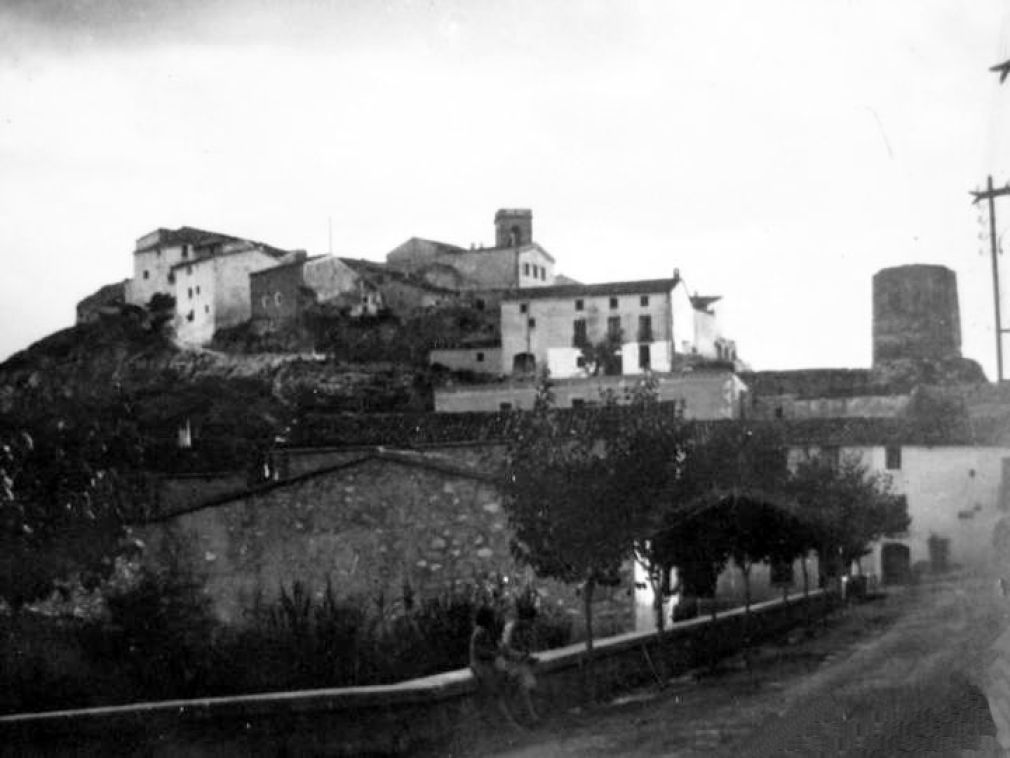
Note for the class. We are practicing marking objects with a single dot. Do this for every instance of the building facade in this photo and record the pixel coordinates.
(515, 260)
(550, 326)
(207, 273)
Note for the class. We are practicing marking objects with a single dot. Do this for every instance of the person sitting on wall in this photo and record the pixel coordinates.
(517, 645)
(487, 662)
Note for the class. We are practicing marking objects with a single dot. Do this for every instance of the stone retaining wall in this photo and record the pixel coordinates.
(386, 719)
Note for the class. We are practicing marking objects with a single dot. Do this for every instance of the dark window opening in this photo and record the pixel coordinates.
(480, 304)
(892, 454)
(644, 300)
(645, 328)
(580, 361)
(543, 273)
(613, 303)
(579, 332)
(526, 269)
(578, 402)
(480, 357)
(579, 304)
(532, 323)
(614, 327)
(524, 307)
(171, 277)
(185, 251)
(206, 309)
(146, 275)
(190, 316)
(189, 293)
(504, 406)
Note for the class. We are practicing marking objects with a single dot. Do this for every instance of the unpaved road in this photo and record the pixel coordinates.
(908, 675)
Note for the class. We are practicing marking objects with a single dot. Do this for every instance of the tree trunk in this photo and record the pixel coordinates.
(587, 599)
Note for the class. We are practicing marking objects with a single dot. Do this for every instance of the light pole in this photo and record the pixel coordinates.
(991, 194)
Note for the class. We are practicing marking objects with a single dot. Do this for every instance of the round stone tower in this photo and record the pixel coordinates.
(915, 314)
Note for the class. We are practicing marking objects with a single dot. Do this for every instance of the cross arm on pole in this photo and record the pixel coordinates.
(980, 195)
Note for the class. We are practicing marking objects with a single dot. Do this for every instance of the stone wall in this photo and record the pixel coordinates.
(398, 719)
(368, 526)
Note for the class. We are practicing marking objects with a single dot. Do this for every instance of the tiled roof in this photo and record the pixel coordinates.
(702, 302)
(370, 269)
(289, 264)
(606, 288)
(189, 235)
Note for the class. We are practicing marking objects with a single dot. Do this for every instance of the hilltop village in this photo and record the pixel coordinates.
(380, 500)
(525, 316)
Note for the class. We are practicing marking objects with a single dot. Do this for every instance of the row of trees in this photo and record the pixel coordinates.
(587, 493)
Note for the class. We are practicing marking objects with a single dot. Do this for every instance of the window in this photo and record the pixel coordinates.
(185, 251)
(579, 332)
(543, 274)
(189, 293)
(190, 316)
(644, 300)
(206, 309)
(644, 356)
(504, 406)
(645, 328)
(892, 454)
(524, 307)
(189, 270)
(580, 304)
(171, 277)
(578, 402)
(146, 275)
(480, 357)
(532, 323)
(613, 303)
(265, 301)
(526, 269)
(198, 289)
(480, 304)
(580, 361)
(278, 299)
(614, 327)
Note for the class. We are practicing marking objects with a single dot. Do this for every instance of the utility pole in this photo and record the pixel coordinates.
(991, 194)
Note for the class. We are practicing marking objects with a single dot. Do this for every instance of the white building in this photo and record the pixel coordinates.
(207, 273)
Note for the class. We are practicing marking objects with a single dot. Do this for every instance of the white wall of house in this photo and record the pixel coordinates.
(195, 308)
(705, 394)
(151, 270)
(537, 324)
(953, 492)
(631, 357)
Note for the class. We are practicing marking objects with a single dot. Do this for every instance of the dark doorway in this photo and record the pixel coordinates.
(524, 363)
(895, 563)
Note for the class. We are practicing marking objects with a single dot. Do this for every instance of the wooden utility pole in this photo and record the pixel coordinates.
(991, 194)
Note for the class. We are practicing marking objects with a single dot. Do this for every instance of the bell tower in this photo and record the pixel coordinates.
(513, 227)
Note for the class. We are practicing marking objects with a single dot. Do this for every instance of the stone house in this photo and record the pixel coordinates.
(280, 294)
(399, 292)
(651, 320)
(515, 260)
(207, 273)
(369, 522)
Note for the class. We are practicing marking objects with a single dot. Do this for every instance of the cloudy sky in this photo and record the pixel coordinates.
(777, 153)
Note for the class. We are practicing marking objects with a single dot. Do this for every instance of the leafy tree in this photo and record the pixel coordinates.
(578, 503)
(66, 490)
(603, 357)
(848, 507)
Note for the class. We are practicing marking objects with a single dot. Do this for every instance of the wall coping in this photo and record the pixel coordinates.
(436, 687)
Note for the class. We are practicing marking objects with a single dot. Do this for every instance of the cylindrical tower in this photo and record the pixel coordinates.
(915, 314)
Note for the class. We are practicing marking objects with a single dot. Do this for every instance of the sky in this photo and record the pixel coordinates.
(777, 153)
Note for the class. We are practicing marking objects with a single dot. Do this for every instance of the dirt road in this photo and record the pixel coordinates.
(907, 675)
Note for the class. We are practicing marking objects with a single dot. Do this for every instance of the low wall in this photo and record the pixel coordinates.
(386, 719)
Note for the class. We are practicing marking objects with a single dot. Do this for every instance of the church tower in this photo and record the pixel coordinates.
(513, 227)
